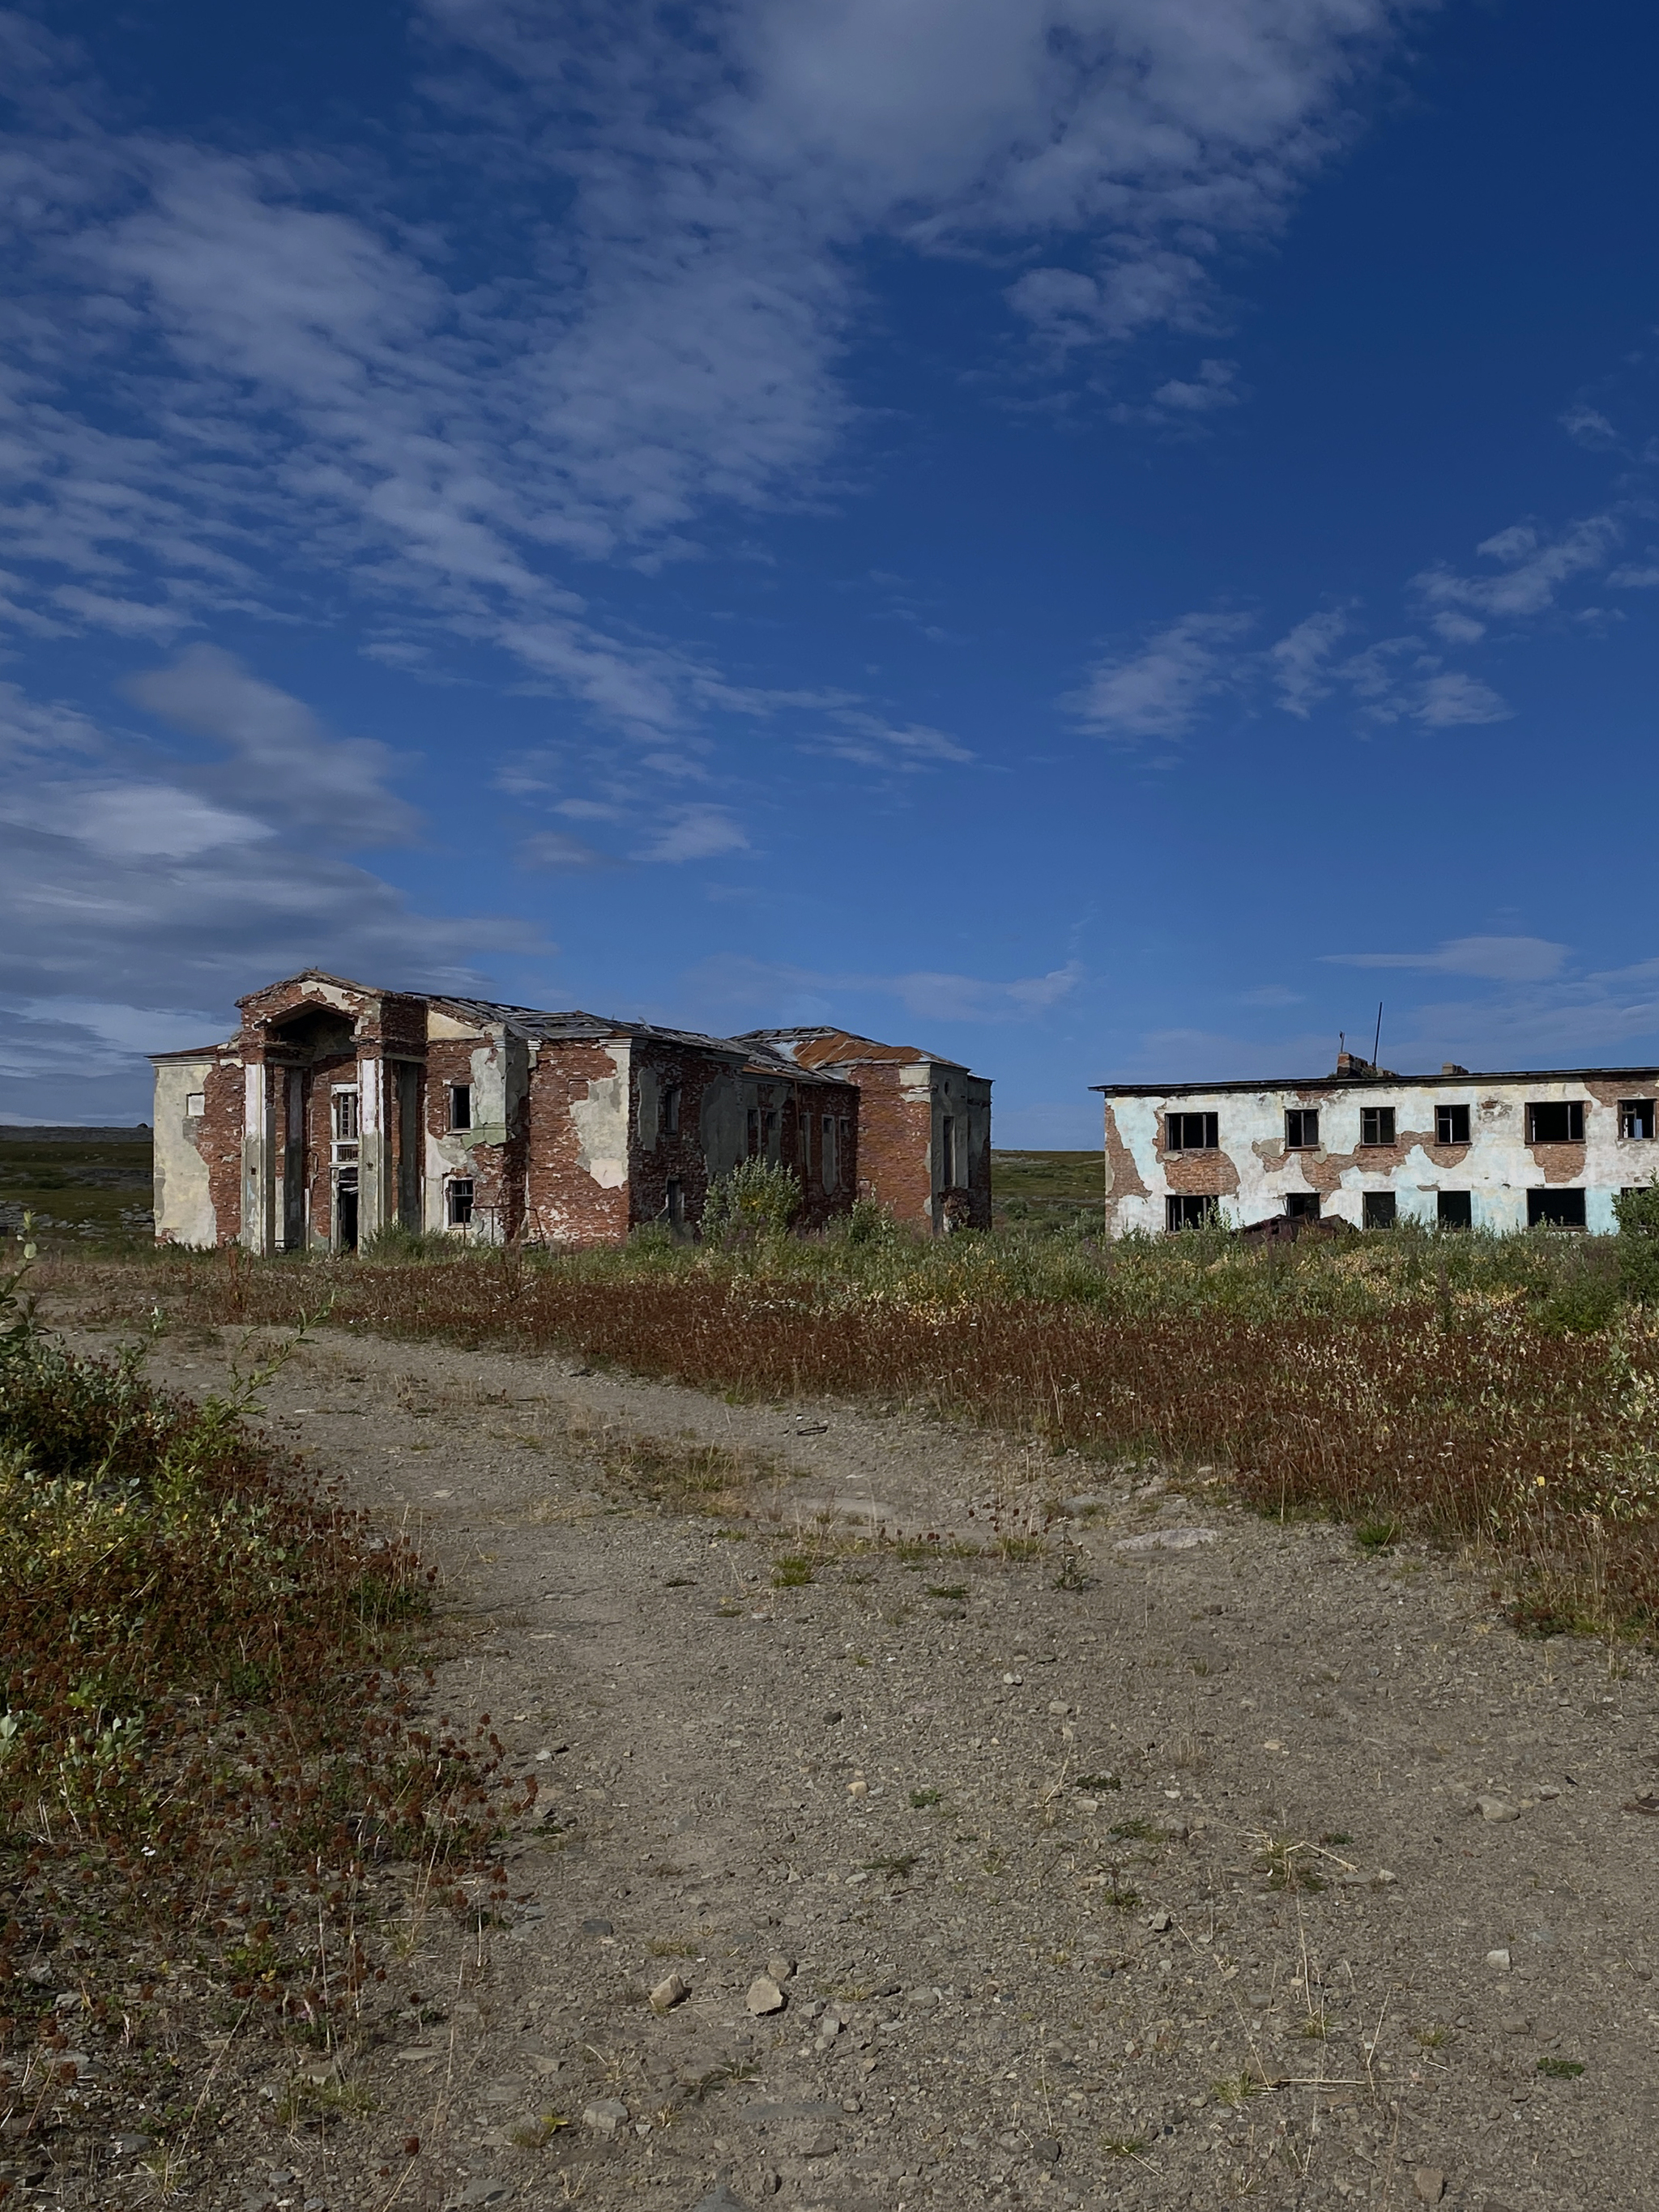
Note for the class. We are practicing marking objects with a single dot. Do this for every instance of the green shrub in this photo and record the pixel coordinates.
(1637, 1215)
(756, 1200)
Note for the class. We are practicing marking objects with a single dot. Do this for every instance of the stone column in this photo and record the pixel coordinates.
(258, 1167)
(374, 1202)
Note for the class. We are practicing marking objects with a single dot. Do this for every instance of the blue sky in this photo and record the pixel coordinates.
(1102, 537)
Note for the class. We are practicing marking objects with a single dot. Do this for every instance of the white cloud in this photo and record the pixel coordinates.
(1534, 569)
(1588, 426)
(131, 820)
(1398, 679)
(1299, 662)
(1496, 959)
(738, 989)
(553, 850)
(282, 757)
(873, 741)
(695, 833)
(1159, 691)
(303, 387)
(1636, 576)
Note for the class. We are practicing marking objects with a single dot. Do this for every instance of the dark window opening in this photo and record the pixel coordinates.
(827, 1160)
(460, 1105)
(345, 1211)
(1555, 1209)
(460, 1202)
(947, 1174)
(671, 1111)
(1379, 1209)
(1377, 1124)
(1188, 1212)
(1191, 1133)
(1556, 1121)
(753, 1131)
(1301, 1128)
(1636, 1117)
(673, 1203)
(1302, 1206)
(1451, 1125)
(1453, 1209)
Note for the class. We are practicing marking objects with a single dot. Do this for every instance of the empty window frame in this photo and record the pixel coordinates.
(673, 1204)
(1453, 1209)
(753, 1131)
(1302, 1205)
(827, 1160)
(1301, 1128)
(1556, 1121)
(196, 1106)
(460, 1105)
(1377, 1124)
(457, 1201)
(1189, 1213)
(1451, 1125)
(1379, 1209)
(347, 1117)
(1636, 1117)
(1190, 1132)
(947, 1152)
(671, 1111)
(1555, 1209)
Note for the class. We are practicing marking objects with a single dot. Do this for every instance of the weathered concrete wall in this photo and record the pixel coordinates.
(1252, 1169)
(185, 1212)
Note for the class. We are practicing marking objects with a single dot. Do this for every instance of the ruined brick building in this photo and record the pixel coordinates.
(1456, 1150)
(338, 1108)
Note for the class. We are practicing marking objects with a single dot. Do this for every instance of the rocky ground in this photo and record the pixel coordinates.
(926, 1822)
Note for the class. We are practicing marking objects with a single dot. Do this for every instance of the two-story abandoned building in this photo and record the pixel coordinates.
(1499, 1152)
(338, 1108)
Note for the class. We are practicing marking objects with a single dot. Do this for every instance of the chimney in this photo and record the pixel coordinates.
(1350, 1063)
(1450, 1067)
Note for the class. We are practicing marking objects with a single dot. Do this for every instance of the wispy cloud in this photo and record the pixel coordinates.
(742, 989)
(695, 833)
(1160, 690)
(1495, 959)
(1532, 571)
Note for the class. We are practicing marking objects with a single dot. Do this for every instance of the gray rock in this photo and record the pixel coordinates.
(1500, 1960)
(485, 2192)
(765, 1997)
(129, 2146)
(1429, 2184)
(1166, 1540)
(780, 1969)
(1495, 1809)
(670, 1993)
(598, 1928)
(605, 2115)
(721, 2199)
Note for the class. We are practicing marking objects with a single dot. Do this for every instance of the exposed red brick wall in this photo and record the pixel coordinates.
(219, 1140)
(894, 1133)
(564, 1205)
(679, 1157)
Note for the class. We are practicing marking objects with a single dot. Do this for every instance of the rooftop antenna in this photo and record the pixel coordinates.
(1377, 1046)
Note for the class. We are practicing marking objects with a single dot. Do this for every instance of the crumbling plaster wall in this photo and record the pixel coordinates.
(1252, 1170)
(578, 1122)
(495, 1065)
(185, 1211)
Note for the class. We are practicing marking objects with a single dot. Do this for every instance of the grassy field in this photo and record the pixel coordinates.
(1045, 1188)
(89, 1183)
(1498, 1392)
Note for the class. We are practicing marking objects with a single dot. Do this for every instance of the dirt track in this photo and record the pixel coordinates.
(1064, 1875)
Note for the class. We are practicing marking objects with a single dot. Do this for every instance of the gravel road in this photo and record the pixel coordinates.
(1016, 1835)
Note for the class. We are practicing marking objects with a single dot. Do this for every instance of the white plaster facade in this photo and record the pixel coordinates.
(1515, 1167)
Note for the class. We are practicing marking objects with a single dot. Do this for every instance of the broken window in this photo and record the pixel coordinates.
(769, 1131)
(346, 1117)
(1189, 1213)
(827, 1154)
(1453, 1209)
(671, 1111)
(1379, 1209)
(460, 1105)
(1555, 1209)
(196, 1106)
(947, 1174)
(1556, 1121)
(458, 1193)
(1190, 1132)
(1377, 1124)
(1301, 1128)
(1302, 1205)
(1635, 1117)
(673, 1207)
(1451, 1125)
(753, 1131)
